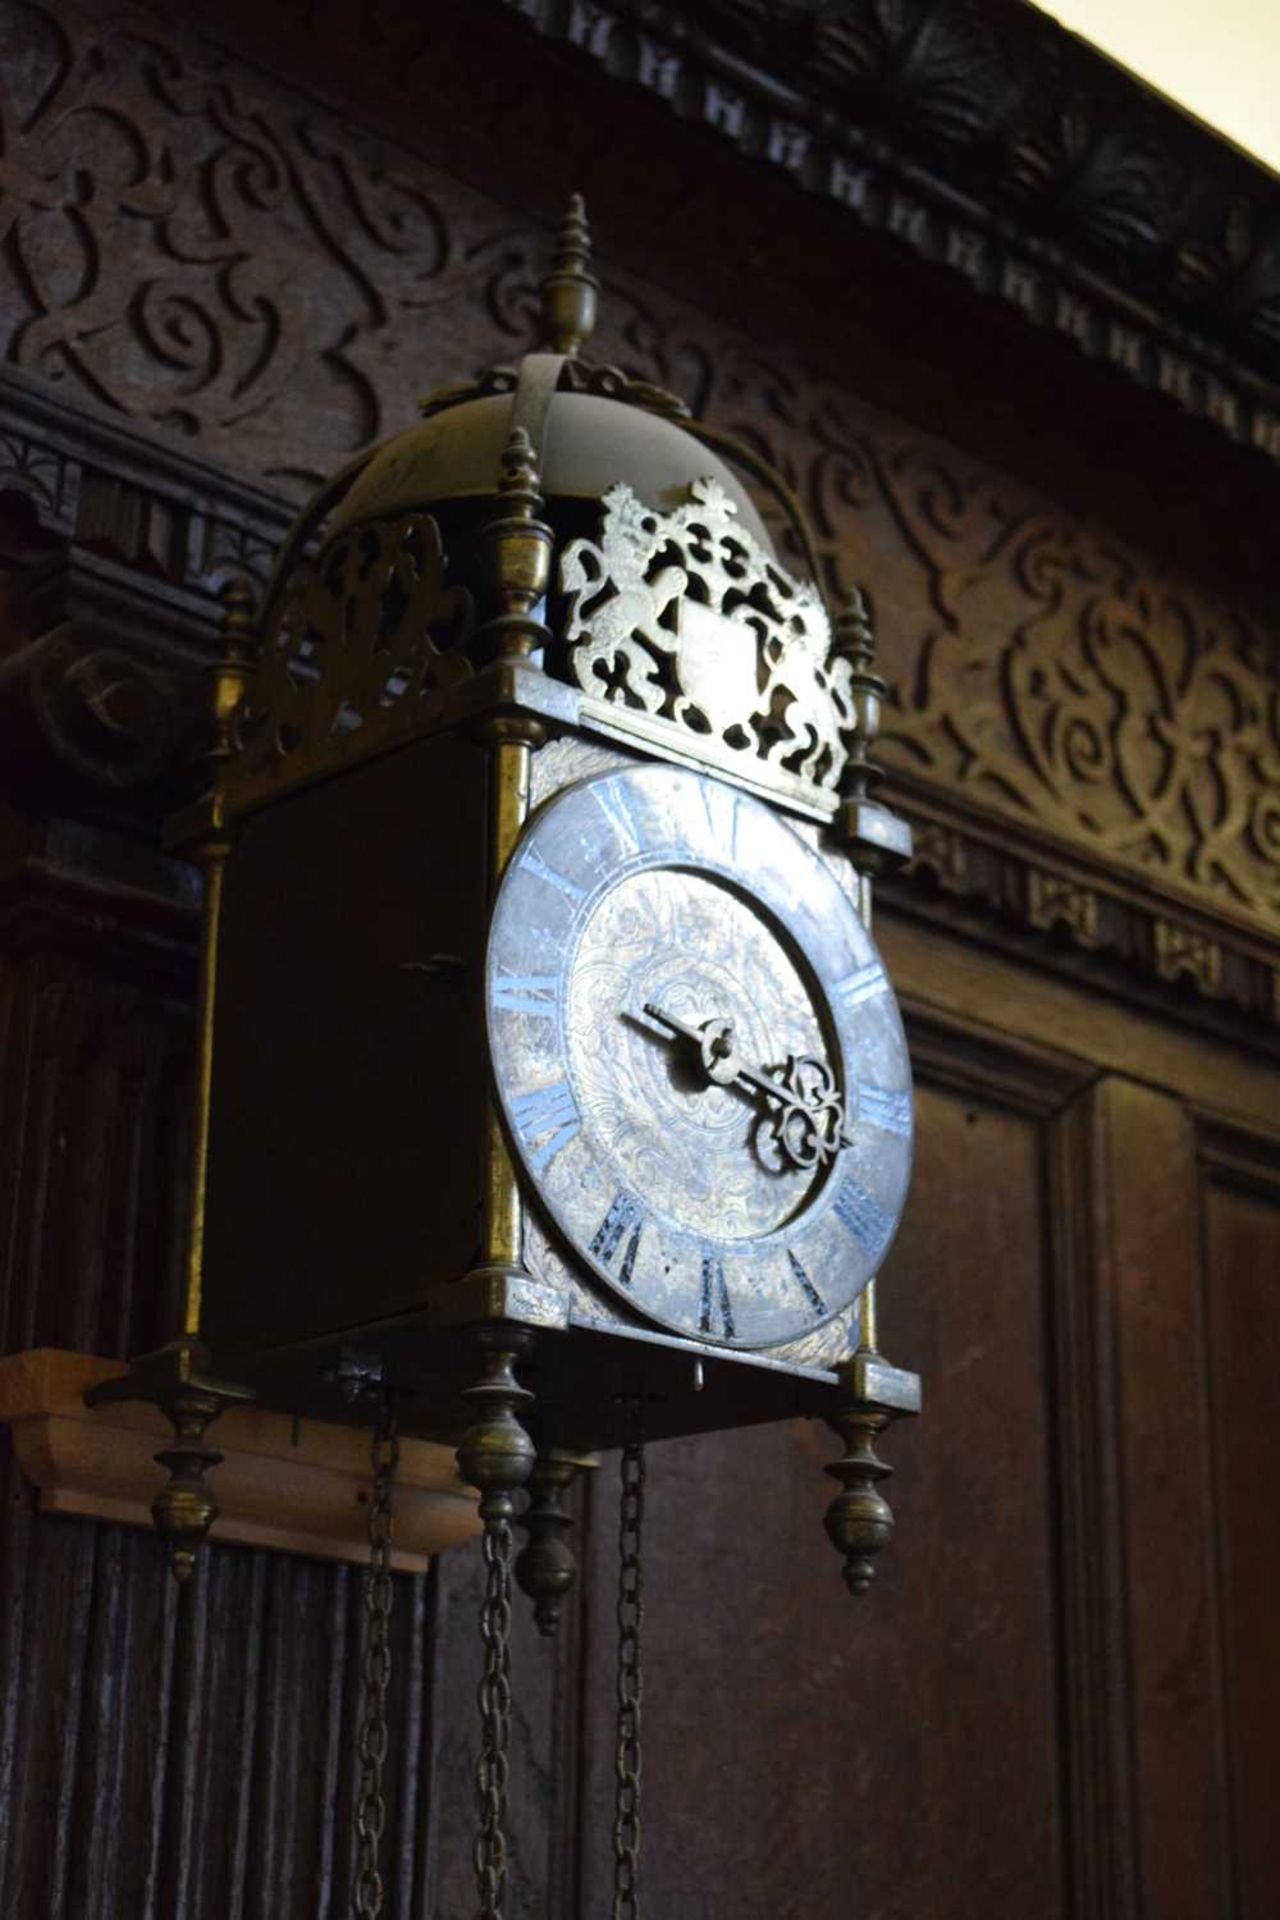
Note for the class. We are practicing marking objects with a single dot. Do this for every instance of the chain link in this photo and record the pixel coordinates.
(489, 1854)
(626, 1824)
(371, 1806)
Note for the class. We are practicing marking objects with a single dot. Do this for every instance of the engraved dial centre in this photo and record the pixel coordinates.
(690, 945)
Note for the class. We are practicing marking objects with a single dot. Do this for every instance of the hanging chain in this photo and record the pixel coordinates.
(371, 1806)
(626, 1824)
(489, 1853)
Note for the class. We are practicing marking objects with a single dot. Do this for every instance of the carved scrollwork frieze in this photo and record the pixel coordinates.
(207, 254)
(1039, 667)
(1061, 682)
(169, 223)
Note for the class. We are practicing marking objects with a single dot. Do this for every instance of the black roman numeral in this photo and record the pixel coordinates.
(625, 1215)
(807, 1287)
(863, 984)
(716, 1306)
(532, 861)
(865, 1218)
(889, 1111)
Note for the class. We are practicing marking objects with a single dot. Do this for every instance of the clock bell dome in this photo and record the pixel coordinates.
(586, 425)
(668, 610)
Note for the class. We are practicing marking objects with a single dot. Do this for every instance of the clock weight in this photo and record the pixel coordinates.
(547, 1566)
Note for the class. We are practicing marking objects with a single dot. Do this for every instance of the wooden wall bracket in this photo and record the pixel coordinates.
(297, 1489)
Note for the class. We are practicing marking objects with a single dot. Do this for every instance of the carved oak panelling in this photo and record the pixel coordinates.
(215, 257)
(170, 1762)
(1040, 668)
(1061, 679)
(229, 266)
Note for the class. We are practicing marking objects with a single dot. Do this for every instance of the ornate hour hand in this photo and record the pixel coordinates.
(802, 1123)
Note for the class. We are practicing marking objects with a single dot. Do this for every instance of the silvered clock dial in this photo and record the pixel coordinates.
(698, 1055)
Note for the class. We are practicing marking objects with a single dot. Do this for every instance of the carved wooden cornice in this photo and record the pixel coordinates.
(1003, 150)
(116, 558)
(1080, 918)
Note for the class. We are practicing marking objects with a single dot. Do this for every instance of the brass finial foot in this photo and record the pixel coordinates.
(859, 1521)
(547, 1567)
(177, 1379)
(570, 290)
(185, 1508)
(495, 1453)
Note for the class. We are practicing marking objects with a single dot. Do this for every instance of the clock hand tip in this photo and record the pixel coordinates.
(647, 1018)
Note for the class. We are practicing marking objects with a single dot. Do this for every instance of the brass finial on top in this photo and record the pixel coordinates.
(518, 484)
(879, 840)
(232, 672)
(569, 290)
(855, 642)
(517, 546)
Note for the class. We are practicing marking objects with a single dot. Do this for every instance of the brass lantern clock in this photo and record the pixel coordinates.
(554, 1089)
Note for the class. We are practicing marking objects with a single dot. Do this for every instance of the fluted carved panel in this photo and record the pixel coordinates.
(170, 1762)
(196, 1760)
(93, 1098)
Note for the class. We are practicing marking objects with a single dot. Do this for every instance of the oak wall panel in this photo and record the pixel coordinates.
(1242, 1284)
(812, 1756)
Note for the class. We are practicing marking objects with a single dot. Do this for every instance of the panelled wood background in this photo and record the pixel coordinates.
(235, 252)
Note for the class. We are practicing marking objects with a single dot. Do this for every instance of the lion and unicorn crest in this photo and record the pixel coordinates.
(684, 616)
